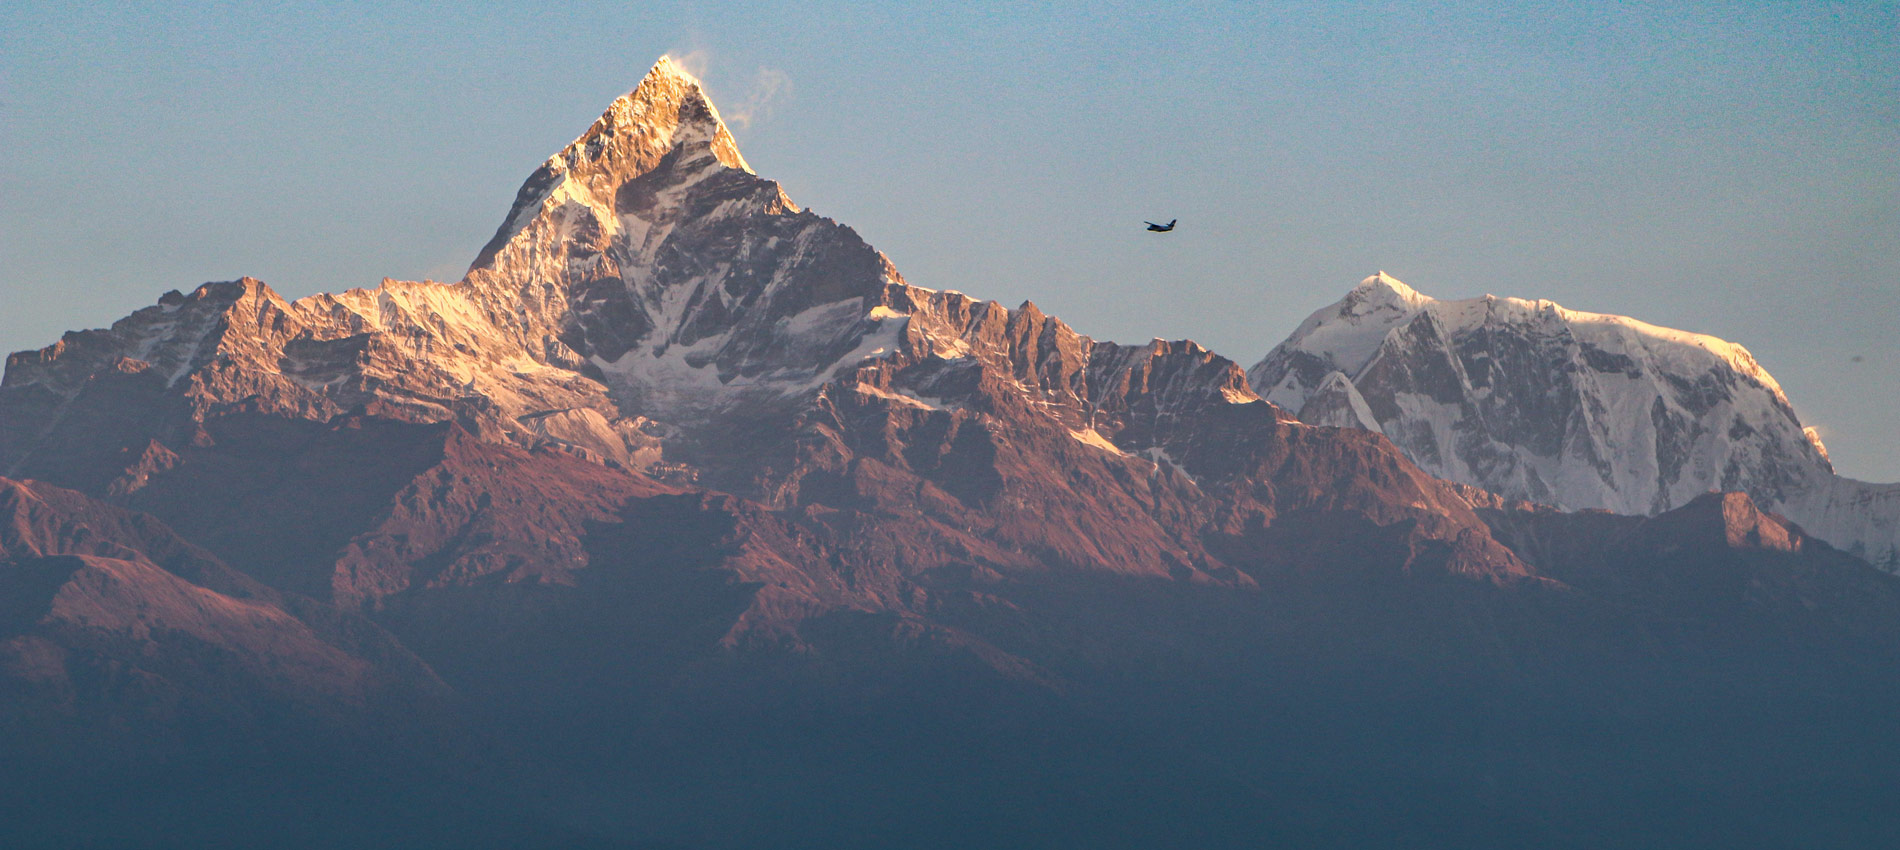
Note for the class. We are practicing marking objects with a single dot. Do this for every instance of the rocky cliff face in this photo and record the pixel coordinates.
(1580, 410)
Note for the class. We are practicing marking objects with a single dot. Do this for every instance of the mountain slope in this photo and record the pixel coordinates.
(1581, 410)
(122, 644)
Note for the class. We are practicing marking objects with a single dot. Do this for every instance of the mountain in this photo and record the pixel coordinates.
(1532, 401)
(709, 529)
(652, 305)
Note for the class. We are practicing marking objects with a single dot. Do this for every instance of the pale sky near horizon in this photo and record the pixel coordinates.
(1730, 169)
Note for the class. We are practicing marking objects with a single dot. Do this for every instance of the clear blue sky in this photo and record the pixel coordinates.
(1728, 168)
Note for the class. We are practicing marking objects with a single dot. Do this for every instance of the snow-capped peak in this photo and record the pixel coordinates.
(648, 248)
(1531, 400)
(667, 115)
(1347, 334)
(1382, 287)
(1340, 337)
(669, 107)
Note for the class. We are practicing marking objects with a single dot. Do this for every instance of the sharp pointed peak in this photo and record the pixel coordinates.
(666, 81)
(668, 106)
(1381, 280)
(668, 110)
(1382, 289)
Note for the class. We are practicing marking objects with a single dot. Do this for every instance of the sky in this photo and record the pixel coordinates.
(1725, 168)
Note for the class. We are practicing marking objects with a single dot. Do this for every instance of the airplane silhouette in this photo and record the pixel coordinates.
(1161, 228)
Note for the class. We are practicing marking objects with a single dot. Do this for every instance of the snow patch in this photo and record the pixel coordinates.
(1092, 437)
(1235, 396)
(1160, 458)
(901, 398)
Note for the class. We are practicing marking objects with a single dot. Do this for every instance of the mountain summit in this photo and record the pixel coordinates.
(669, 110)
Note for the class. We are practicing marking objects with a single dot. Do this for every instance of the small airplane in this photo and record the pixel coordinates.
(1161, 228)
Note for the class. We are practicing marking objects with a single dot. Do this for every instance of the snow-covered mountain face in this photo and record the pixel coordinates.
(1581, 410)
